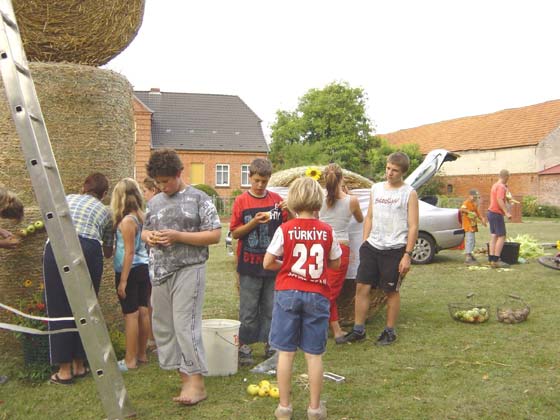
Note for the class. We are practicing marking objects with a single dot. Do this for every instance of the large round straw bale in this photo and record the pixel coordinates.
(284, 178)
(77, 31)
(89, 117)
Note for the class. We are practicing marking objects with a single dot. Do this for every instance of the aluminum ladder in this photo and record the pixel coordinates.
(49, 191)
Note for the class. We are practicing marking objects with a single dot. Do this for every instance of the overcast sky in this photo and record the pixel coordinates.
(418, 61)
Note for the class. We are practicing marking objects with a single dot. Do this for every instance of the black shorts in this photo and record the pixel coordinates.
(137, 289)
(380, 267)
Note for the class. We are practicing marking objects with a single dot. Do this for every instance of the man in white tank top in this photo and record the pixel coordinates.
(390, 233)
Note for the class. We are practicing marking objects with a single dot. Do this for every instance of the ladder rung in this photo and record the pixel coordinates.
(22, 69)
(10, 22)
(36, 119)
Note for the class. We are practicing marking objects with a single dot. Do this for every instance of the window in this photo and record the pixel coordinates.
(245, 176)
(222, 175)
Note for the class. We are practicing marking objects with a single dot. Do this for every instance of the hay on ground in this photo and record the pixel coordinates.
(284, 178)
(78, 31)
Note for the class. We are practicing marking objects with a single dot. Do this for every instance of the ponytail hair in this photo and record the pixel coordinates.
(333, 178)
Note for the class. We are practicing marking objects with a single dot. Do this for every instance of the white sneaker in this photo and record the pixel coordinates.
(317, 413)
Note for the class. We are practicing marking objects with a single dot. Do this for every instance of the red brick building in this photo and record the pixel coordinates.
(526, 141)
(216, 136)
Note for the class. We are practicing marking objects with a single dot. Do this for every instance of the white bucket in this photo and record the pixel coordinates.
(221, 344)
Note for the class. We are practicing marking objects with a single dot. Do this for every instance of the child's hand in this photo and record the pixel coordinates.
(9, 242)
(153, 238)
(262, 217)
(121, 290)
(483, 222)
(283, 205)
(167, 237)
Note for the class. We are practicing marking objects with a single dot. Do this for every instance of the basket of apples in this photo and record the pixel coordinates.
(469, 312)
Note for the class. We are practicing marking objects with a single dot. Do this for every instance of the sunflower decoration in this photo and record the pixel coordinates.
(313, 172)
(27, 283)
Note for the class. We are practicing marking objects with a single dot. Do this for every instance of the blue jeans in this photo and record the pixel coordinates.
(256, 298)
(300, 319)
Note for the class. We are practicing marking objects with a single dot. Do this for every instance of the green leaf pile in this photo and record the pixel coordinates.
(528, 246)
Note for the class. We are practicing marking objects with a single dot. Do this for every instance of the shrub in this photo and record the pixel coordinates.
(218, 202)
(530, 208)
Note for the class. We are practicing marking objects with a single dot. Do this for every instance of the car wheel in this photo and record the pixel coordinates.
(424, 250)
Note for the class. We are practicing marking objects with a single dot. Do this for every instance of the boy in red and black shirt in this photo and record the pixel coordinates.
(256, 214)
(300, 317)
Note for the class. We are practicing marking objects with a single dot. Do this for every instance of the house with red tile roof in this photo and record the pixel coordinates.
(526, 141)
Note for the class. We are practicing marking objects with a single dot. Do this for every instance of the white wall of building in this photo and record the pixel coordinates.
(515, 160)
(548, 151)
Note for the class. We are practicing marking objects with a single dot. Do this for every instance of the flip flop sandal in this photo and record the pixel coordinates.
(83, 374)
(56, 380)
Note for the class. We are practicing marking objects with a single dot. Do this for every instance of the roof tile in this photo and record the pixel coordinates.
(516, 127)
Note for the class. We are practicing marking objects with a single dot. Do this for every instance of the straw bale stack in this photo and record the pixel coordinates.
(284, 178)
(78, 31)
(89, 117)
(346, 298)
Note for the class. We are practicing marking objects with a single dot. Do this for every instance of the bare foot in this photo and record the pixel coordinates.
(190, 399)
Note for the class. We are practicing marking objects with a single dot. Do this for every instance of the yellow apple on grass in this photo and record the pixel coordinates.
(274, 392)
(253, 389)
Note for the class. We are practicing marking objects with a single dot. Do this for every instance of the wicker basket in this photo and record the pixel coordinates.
(513, 310)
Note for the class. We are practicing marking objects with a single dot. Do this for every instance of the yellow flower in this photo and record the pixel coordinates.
(27, 283)
(313, 172)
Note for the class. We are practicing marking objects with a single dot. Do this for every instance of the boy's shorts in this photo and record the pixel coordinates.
(137, 289)
(380, 267)
(496, 223)
(299, 319)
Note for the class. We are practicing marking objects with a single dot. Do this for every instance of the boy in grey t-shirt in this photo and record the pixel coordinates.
(180, 223)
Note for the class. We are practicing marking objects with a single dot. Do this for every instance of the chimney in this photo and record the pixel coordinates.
(155, 91)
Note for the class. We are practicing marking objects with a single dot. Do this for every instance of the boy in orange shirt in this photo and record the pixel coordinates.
(471, 215)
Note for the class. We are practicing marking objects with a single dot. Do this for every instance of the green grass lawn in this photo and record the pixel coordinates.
(438, 369)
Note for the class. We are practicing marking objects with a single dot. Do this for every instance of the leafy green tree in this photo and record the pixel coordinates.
(329, 124)
(377, 157)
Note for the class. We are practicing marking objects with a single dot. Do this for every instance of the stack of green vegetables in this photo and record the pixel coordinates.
(528, 246)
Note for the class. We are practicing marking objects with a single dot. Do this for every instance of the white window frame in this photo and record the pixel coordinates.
(245, 170)
(220, 167)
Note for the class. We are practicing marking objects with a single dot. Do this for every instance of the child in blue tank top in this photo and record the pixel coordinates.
(131, 270)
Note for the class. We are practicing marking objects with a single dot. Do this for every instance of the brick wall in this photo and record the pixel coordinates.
(143, 139)
(211, 159)
(519, 185)
(548, 189)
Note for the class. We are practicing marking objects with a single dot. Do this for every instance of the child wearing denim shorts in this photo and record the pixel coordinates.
(300, 317)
